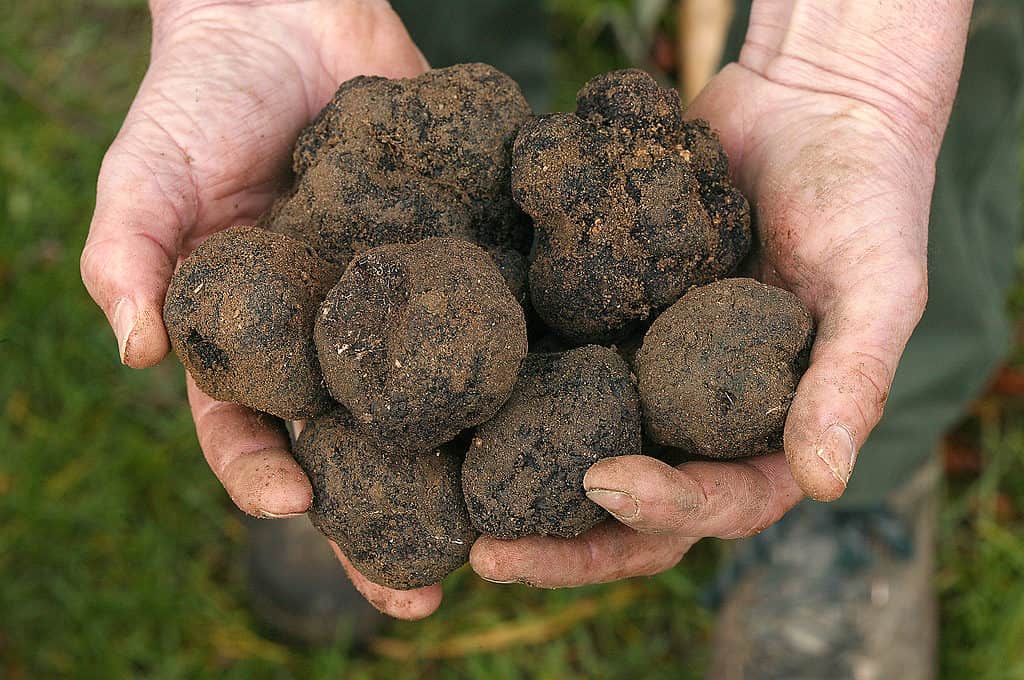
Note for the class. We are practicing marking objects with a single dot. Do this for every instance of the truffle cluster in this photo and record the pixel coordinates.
(385, 298)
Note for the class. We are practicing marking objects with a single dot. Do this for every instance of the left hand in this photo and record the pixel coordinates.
(841, 186)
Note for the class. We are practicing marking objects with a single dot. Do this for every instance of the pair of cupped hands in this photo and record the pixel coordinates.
(839, 176)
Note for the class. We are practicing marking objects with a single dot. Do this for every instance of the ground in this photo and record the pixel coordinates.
(119, 551)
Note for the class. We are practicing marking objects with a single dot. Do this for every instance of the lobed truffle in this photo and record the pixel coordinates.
(421, 341)
(524, 470)
(397, 161)
(632, 206)
(718, 370)
(240, 311)
(400, 519)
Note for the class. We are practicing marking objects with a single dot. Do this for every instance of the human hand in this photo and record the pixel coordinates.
(205, 145)
(833, 136)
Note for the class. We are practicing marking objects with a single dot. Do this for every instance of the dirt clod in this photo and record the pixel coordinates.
(524, 470)
(718, 369)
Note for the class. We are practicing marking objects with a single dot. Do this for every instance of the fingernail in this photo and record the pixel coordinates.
(273, 515)
(124, 323)
(836, 449)
(621, 504)
(500, 583)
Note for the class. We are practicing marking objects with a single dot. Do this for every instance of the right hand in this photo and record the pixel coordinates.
(205, 145)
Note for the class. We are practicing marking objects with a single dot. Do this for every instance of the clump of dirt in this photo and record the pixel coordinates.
(718, 370)
(524, 470)
(421, 341)
(399, 518)
(240, 312)
(397, 161)
(632, 205)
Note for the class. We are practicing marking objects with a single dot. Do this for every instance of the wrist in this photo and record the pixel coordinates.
(903, 59)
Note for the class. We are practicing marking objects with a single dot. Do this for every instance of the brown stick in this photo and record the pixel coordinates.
(703, 27)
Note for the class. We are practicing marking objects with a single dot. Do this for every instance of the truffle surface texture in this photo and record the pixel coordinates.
(632, 206)
(240, 311)
(421, 341)
(399, 519)
(397, 161)
(524, 470)
(719, 369)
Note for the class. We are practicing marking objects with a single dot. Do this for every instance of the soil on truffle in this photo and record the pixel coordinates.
(240, 311)
(718, 370)
(632, 206)
(397, 161)
(524, 470)
(400, 519)
(421, 341)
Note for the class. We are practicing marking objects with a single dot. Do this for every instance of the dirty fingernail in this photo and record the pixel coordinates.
(837, 450)
(501, 583)
(621, 504)
(125, 314)
(273, 515)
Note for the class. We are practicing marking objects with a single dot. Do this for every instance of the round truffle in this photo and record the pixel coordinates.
(719, 369)
(421, 341)
(397, 161)
(400, 519)
(632, 207)
(240, 312)
(524, 470)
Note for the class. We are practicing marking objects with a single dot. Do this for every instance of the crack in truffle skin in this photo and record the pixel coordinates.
(523, 473)
(632, 206)
(398, 161)
(718, 369)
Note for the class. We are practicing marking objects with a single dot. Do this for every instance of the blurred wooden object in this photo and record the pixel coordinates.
(703, 28)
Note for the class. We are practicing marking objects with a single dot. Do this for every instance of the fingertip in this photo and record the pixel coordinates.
(408, 605)
(268, 484)
(823, 469)
(141, 336)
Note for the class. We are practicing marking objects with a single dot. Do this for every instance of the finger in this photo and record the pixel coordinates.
(410, 605)
(133, 243)
(701, 499)
(841, 397)
(729, 116)
(608, 552)
(249, 454)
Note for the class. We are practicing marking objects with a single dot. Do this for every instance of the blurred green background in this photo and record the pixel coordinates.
(119, 552)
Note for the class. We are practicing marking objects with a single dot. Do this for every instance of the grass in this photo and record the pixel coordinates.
(118, 549)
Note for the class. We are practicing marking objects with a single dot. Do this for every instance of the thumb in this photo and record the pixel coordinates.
(840, 398)
(143, 199)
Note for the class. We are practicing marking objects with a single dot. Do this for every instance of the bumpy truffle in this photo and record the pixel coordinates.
(524, 470)
(719, 368)
(397, 161)
(421, 341)
(240, 313)
(399, 519)
(632, 205)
